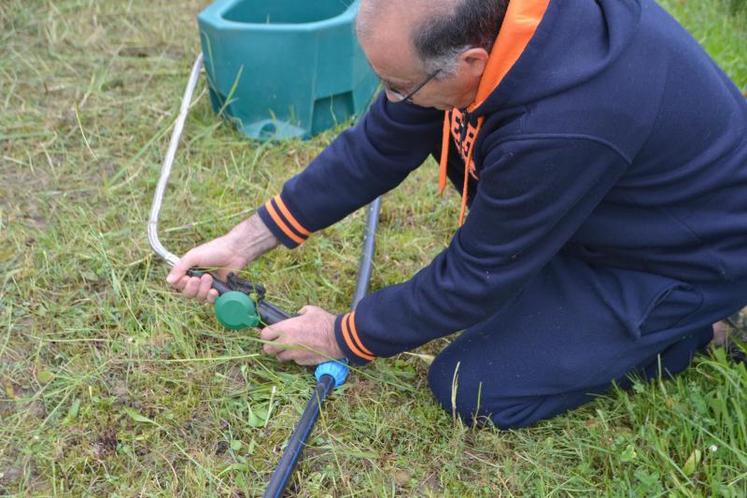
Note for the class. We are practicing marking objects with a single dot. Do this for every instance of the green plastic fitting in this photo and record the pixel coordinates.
(235, 310)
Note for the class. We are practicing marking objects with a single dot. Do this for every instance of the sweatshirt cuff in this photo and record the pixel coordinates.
(349, 341)
(282, 223)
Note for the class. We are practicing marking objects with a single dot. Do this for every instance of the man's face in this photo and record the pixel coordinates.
(391, 55)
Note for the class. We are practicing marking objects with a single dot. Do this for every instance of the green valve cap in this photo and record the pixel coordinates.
(235, 310)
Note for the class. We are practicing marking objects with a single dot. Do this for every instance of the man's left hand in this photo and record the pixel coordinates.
(307, 339)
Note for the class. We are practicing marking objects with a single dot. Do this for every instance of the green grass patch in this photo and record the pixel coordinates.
(111, 385)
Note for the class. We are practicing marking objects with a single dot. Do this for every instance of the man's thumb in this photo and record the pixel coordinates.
(179, 269)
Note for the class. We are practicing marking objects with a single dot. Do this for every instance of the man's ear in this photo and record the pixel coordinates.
(474, 61)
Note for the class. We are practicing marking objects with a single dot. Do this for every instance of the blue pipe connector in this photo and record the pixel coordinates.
(338, 370)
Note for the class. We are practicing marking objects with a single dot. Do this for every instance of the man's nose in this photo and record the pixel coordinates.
(393, 97)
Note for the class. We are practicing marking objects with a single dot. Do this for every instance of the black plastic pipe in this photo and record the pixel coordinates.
(365, 267)
(326, 383)
(269, 313)
(297, 441)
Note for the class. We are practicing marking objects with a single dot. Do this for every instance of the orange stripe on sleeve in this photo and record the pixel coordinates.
(355, 335)
(280, 223)
(350, 343)
(290, 217)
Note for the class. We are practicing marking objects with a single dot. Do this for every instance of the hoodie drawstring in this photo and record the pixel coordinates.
(443, 163)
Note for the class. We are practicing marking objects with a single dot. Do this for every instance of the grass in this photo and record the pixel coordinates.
(112, 385)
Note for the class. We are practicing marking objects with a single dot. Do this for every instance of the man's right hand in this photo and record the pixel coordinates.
(245, 242)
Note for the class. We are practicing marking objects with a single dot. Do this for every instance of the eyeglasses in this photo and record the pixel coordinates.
(408, 97)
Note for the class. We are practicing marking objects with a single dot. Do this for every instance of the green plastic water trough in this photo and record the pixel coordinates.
(285, 68)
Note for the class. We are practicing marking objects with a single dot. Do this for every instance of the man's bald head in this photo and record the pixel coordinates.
(374, 12)
(431, 52)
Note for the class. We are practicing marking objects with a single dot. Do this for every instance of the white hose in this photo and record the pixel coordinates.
(176, 135)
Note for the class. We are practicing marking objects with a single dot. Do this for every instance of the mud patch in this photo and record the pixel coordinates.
(106, 445)
(9, 478)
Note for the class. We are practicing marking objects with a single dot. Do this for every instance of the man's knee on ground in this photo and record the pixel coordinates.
(457, 388)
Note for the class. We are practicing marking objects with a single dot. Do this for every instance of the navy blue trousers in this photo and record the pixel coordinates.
(572, 332)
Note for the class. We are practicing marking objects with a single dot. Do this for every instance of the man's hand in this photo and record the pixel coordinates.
(307, 339)
(231, 252)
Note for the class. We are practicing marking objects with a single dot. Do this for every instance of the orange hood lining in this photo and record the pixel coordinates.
(519, 25)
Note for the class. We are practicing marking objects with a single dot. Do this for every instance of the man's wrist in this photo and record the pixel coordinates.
(252, 238)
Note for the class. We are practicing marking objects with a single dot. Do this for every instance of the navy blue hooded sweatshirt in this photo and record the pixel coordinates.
(600, 128)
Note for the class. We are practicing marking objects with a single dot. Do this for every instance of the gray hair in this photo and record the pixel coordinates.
(442, 36)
